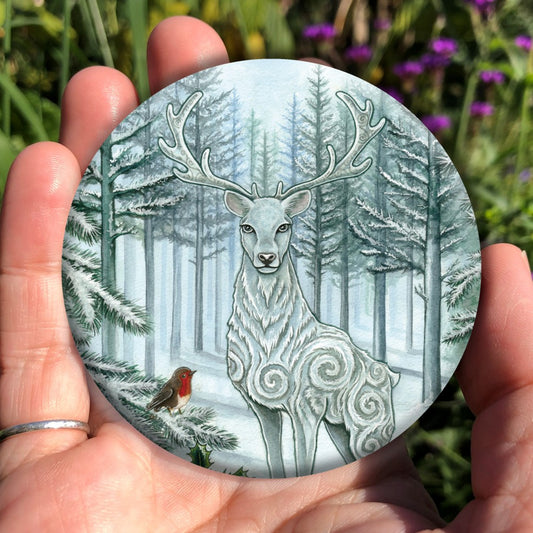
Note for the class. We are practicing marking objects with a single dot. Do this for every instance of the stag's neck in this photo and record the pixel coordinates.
(270, 298)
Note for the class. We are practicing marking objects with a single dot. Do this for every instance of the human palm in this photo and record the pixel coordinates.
(117, 480)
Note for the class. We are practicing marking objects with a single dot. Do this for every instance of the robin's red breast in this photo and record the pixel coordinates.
(175, 393)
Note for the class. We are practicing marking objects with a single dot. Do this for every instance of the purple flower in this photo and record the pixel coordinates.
(359, 54)
(492, 76)
(434, 61)
(397, 95)
(320, 32)
(524, 42)
(525, 175)
(444, 46)
(481, 109)
(483, 6)
(409, 69)
(382, 24)
(436, 123)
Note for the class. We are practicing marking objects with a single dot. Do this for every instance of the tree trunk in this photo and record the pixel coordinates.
(317, 289)
(175, 334)
(218, 299)
(149, 341)
(409, 296)
(199, 274)
(109, 337)
(433, 290)
(380, 290)
(130, 258)
(345, 268)
(163, 305)
(380, 317)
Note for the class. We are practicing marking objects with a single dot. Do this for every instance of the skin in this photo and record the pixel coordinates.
(117, 480)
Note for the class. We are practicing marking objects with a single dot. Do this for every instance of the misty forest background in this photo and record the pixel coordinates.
(45, 42)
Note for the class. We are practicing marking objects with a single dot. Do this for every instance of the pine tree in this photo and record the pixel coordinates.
(207, 127)
(291, 144)
(463, 282)
(129, 391)
(317, 127)
(387, 227)
(423, 223)
(88, 302)
(266, 171)
(344, 263)
(113, 193)
(291, 154)
(254, 128)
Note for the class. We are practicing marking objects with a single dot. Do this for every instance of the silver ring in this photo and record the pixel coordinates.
(43, 424)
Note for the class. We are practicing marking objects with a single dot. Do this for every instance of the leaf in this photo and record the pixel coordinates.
(241, 472)
(21, 102)
(200, 455)
(7, 155)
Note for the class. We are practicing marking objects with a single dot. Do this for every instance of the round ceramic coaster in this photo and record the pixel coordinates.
(271, 268)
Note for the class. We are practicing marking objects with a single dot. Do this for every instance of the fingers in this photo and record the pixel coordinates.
(180, 46)
(499, 358)
(95, 101)
(497, 379)
(41, 374)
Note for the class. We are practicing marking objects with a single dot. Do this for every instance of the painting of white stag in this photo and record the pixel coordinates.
(294, 238)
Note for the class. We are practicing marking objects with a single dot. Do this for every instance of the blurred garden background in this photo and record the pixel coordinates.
(465, 67)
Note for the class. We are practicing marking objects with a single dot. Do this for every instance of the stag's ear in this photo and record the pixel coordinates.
(237, 203)
(297, 203)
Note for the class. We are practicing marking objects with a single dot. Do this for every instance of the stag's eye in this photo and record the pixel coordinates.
(247, 228)
(283, 228)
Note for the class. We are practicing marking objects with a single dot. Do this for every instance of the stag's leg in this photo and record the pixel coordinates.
(271, 424)
(341, 439)
(305, 426)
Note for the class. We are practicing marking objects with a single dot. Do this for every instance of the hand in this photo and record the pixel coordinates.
(117, 480)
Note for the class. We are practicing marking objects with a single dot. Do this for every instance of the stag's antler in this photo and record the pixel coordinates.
(364, 133)
(196, 173)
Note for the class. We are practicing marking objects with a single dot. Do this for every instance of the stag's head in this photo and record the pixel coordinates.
(266, 221)
(266, 225)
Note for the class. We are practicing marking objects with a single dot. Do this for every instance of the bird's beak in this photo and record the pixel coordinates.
(193, 372)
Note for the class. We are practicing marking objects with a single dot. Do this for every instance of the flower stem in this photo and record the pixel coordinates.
(6, 98)
(523, 148)
(65, 48)
(462, 130)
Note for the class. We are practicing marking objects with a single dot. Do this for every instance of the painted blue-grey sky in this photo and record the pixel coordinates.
(268, 85)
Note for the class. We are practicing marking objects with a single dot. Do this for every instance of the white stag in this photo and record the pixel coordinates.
(280, 357)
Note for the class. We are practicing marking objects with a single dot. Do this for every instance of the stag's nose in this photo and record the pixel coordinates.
(266, 259)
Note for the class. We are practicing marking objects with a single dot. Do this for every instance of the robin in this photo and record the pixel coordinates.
(175, 393)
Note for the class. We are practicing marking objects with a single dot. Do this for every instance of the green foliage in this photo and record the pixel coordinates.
(240, 472)
(439, 444)
(88, 301)
(200, 455)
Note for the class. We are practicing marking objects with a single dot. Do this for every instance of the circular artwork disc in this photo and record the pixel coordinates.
(271, 268)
